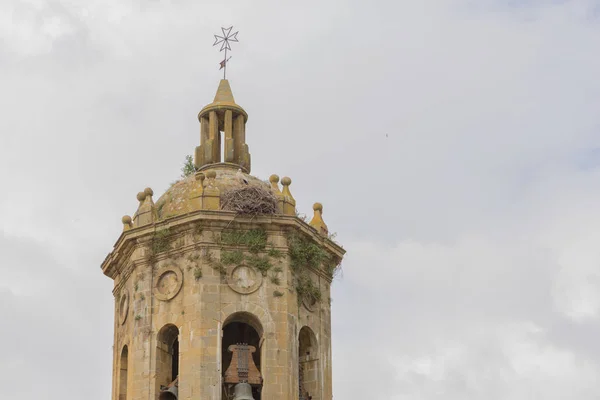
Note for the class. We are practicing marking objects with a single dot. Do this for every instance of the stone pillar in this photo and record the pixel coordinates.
(228, 133)
(190, 351)
(212, 151)
(238, 132)
(204, 135)
(200, 156)
(210, 351)
(141, 363)
(245, 158)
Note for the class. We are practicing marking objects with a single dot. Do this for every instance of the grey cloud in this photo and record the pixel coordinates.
(468, 226)
(51, 330)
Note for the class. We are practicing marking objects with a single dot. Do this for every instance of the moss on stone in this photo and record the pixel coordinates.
(160, 241)
(274, 277)
(261, 263)
(254, 239)
(215, 264)
(274, 253)
(232, 257)
(306, 288)
(304, 252)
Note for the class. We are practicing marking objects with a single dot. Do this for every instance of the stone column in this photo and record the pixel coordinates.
(141, 361)
(229, 142)
(208, 338)
(199, 156)
(204, 135)
(213, 151)
(239, 138)
(116, 346)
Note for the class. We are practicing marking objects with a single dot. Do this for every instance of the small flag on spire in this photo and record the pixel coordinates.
(222, 63)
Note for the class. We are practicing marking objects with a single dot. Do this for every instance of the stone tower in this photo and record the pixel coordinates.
(214, 299)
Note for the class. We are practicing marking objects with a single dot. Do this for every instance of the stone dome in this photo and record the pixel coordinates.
(176, 200)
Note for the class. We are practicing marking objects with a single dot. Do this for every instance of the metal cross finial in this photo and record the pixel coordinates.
(224, 41)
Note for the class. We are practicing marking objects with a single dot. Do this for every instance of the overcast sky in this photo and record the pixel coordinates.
(455, 145)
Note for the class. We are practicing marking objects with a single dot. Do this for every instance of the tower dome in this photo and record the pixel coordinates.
(178, 199)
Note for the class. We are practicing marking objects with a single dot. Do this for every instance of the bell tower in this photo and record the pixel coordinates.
(221, 290)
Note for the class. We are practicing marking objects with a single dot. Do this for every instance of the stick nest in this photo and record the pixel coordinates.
(249, 200)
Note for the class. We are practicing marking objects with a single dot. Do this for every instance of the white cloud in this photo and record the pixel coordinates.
(464, 320)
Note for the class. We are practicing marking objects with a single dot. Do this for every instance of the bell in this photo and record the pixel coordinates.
(242, 391)
(169, 394)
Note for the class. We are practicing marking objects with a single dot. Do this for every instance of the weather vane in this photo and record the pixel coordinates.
(224, 41)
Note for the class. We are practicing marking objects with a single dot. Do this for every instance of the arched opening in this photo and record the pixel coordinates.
(123, 366)
(308, 365)
(167, 356)
(241, 353)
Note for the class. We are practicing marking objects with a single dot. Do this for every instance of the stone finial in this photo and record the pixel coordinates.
(141, 196)
(211, 195)
(286, 182)
(127, 223)
(317, 220)
(274, 180)
(196, 192)
(289, 203)
(146, 213)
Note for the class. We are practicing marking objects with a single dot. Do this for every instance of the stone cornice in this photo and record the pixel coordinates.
(129, 240)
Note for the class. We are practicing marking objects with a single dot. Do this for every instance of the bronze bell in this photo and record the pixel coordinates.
(169, 394)
(242, 391)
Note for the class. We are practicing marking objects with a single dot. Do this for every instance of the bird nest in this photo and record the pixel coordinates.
(249, 200)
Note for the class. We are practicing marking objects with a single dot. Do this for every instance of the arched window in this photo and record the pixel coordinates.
(167, 356)
(123, 363)
(241, 328)
(309, 373)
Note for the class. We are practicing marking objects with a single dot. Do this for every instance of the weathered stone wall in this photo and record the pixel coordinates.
(155, 290)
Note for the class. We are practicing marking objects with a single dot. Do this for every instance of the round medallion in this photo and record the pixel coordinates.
(123, 306)
(309, 302)
(244, 279)
(168, 283)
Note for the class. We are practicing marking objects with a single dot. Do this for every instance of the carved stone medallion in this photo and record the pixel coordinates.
(168, 283)
(123, 307)
(244, 279)
(309, 302)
